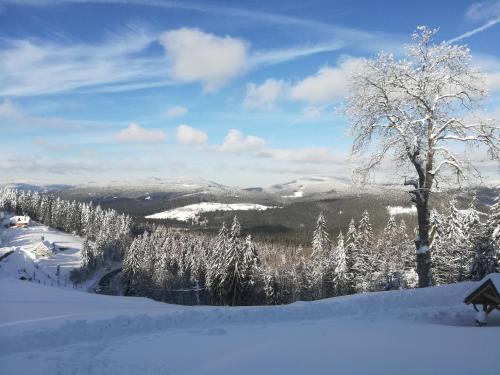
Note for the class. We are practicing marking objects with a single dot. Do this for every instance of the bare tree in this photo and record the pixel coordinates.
(421, 112)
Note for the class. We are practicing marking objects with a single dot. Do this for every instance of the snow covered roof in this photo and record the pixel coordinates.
(485, 291)
(495, 279)
(20, 220)
(43, 247)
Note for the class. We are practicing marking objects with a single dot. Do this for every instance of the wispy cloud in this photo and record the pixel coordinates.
(486, 12)
(52, 147)
(33, 66)
(119, 63)
(277, 56)
(175, 111)
(482, 11)
(477, 30)
(302, 155)
(211, 8)
(37, 67)
(11, 114)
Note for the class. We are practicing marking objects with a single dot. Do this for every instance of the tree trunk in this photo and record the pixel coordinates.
(422, 242)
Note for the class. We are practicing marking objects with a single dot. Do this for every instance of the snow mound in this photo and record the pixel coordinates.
(191, 211)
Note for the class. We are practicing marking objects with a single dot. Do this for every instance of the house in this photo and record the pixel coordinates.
(43, 249)
(486, 295)
(20, 221)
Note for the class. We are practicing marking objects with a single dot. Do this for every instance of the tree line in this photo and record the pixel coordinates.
(232, 269)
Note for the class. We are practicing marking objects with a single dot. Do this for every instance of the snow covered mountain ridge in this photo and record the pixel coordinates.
(299, 188)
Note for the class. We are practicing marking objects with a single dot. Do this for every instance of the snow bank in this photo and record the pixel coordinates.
(191, 211)
(65, 332)
(87, 319)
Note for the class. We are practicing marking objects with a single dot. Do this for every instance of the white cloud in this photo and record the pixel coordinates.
(202, 57)
(136, 134)
(264, 96)
(190, 136)
(327, 84)
(237, 143)
(176, 111)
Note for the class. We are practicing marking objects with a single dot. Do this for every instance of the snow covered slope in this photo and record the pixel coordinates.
(23, 262)
(47, 330)
(191, 211)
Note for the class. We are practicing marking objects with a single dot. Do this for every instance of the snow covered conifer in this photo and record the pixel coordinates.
(363, 257)
(321, 244)
(341, 279)
(485, 256)
(322, 267)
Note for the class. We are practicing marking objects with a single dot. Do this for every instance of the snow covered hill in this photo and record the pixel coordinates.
(147, 187)
(47, 330)
(311, 186)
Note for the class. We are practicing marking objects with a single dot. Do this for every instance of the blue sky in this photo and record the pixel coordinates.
(243, 93)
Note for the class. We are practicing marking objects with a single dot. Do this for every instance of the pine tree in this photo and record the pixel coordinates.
(494, 227)
(215, 268)
(322, 267)
(341, 279)
(485, 257)
(240, 263)
(351, 252)
(364, 257)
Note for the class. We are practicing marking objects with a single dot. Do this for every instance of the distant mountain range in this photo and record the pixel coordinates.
(303, 188)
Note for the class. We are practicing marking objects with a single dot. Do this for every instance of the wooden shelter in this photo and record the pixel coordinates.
(486, 295)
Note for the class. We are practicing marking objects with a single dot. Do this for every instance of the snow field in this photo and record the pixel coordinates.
(399, 210)
(186, 213)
